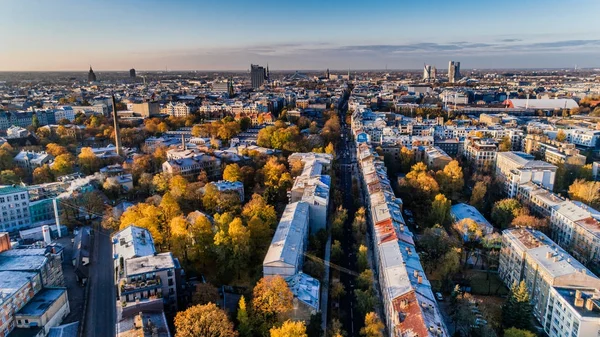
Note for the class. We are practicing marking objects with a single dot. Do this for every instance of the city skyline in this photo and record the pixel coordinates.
(335, 35)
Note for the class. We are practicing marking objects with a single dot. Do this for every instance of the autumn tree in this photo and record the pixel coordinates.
(478, 195)
(451, 179)
(373, 326)
(43, 174)
(517, 310)
(202, 321)
(177, 186)
(505, 144)
(505, 210)
(440, 210)
(56, 150)
(63, 164)
(9, 177)
(232, 173)
(145, 216)
(407, 159)
(88, 161)
(160, 182)
(586, 191)
(290, 329)
(272, 299)
(525, 220)
(561, 136)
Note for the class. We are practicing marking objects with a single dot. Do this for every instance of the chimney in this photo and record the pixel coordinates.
(116, 126)
(577, 293)
(416, 273)
(556, 258)
(420, 279)
(548, 255)
(578, 299)
(589, 304)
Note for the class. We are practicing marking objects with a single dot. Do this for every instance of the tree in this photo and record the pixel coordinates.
(6, 158)
(232, 173)
(451, 179)
(88, 161)
(530, 221)
(206, 293)
(43, 174)
(290, 329)
(365, 300)
(160, 182)
(203, 321)
(91, 203)
(169, 207)
(145, 216)
(586, 191)
(561, 136)
(478, 195)
(9, 177)
(440, 210)
(177, 186)
(505, 144)
(505, 210)
(468, 229)
(244, 326)
(362, 261)
(258, 207)
(272, 299)
(407, 158)
(373, 326)
(63, 164)
(56, 150)
(330, 149)
(514, 332)
(516, 311)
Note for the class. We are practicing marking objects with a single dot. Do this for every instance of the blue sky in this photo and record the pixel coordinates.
(312, 34)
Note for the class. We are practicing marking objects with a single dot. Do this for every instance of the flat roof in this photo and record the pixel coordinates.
(42, 301)
(148, 264)
(12, 281)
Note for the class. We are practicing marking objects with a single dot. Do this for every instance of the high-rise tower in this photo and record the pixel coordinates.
(258, 75)
(453, 71)
(132, 73)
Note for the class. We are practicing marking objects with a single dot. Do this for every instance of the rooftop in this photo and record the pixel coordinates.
(133, 242)
(289, 235)
(148, 264)
(42, 301)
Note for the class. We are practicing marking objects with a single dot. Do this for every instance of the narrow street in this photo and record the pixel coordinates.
(352, 321)
(100, 315)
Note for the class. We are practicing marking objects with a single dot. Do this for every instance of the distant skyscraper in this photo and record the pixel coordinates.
(91, 75)
(258, 75)
(433, 73)
(427, 72)
(132, 73)
(453, 71)
(328, 74)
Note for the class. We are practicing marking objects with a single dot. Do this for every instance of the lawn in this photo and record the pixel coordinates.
(483, 283)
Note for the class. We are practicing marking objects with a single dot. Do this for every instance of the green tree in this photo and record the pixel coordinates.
(517, 310)
(505, 144)
(202, 321)
(9, 177)
(514, 332)
(244, 325)
(505, 210)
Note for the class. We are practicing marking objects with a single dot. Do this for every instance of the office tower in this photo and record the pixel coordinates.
(91, 75)
(258, 75)
(328, 74)
(453, 71)
(427, 72)
(132, 73)
(433, 73)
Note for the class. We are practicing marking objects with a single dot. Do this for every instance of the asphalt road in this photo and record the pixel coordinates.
(353, 320)
(100, 315)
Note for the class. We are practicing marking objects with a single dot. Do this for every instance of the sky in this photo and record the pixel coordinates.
(45, 35)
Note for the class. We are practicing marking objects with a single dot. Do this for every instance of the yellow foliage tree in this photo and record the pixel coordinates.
(373, 326)
(202, 321)
(290, 329)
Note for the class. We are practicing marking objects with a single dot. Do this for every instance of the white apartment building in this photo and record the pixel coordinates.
(30, 160)
(572, 312)
(177, 110)
(65, 112)
(516, 168)
(14, 209)
(529, 255)
(575, 226)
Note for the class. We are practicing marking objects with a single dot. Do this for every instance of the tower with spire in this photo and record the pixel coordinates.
(91, 75)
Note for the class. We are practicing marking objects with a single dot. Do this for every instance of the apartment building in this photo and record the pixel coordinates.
(193, 165)
(572, 312)
(529, 255)
(234, 186)
(576, 227)
(460, 212)
(481, 152)
(14, 208)
(177, 110)
(516, 168)
(16, 290)
(408, 302)
(436, 158)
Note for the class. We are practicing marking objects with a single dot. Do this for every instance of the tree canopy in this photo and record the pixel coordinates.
(203, 321)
